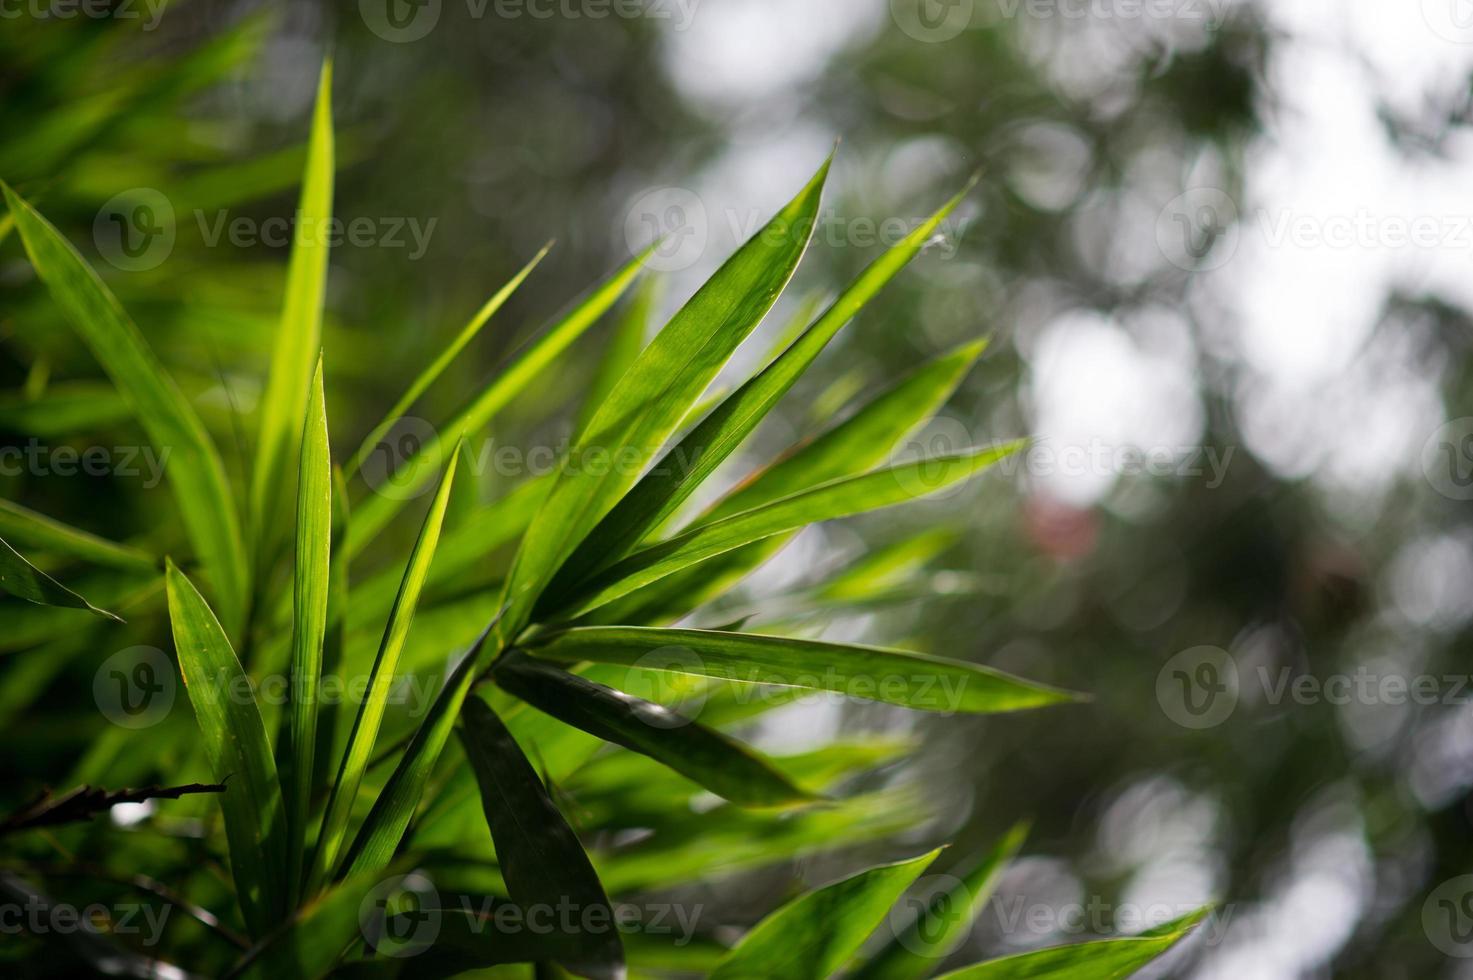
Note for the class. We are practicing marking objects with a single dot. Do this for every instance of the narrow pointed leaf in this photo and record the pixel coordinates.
(685, 467)
(622, 350)
(22, 579)
(912, 680)
(299, 335)
(1106, 959)
(26, 527)
(195, 472)
(381, 679)
(721, 764)
(815, 934)
(540, 857)
(431, 374)
(844, 497)
(657, 391)
(917, 948)
(416, 471)
(235, 742)
(310, 585)
(374, 846)
(856, 444)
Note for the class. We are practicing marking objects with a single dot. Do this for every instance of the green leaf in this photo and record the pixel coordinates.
(375, 698)
(916, 949)
(415, 472)
(311, 943)
(1106, 959)
(686, 467)
(912, 680)
(25, 526)
(657, 391)
(310, 585)
(844, 497)
(432, 373)
(721, 764)
(22, 579)
(235, 742)
(385, 824)
(195, 472)
(622, 350)
(813, 935)
(861, 441)
(299, 336)
(539, 855)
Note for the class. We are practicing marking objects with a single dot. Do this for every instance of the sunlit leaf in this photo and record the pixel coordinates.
(719, 763)
(1106, 959)
(234, 740)
(913, 680)
(815, 934)
(22, 579)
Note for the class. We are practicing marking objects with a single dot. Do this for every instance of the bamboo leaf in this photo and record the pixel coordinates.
(912, 680)
(431, 374)
(861, 441)
(844, 497)
(622, 349)
(385, 824)
(299, 336)
(1106, 959)
(371, 711)
(195, 472)
(310, 586)
(540, 857)
(235, 742)
(917, 948)
(20, 578)
(686, 467)
(25, 526)
(415, 471)
(719, 763)
(813, 935)
(657, 391)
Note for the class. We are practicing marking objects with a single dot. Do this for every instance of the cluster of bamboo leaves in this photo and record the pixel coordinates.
(324, 802)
